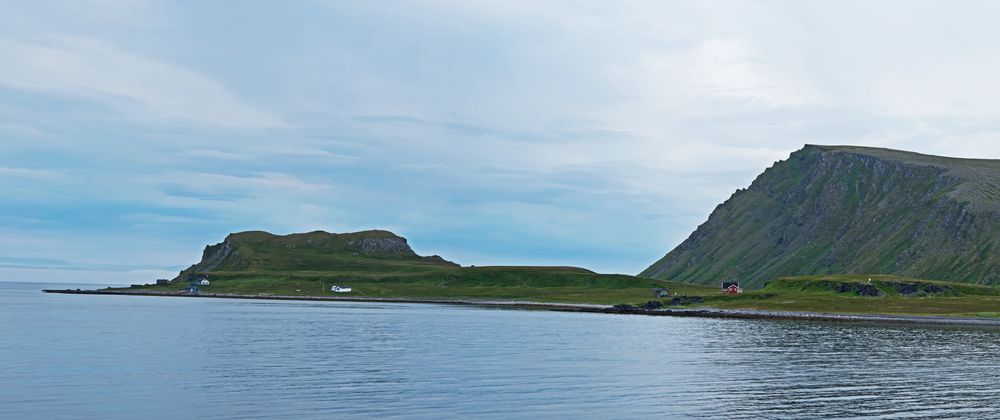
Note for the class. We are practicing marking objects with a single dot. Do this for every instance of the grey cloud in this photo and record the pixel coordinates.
(56, 264)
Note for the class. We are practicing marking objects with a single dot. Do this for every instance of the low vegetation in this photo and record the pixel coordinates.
(856, 294)
(540, 284)
(379, 264)
(823, 294)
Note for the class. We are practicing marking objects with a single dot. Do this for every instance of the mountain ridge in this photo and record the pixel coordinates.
(983, 175)
(850, 210)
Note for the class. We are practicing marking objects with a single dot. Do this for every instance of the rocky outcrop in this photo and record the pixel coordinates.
(860, 289)
(385, 247)
(850, 210)
(686, 300)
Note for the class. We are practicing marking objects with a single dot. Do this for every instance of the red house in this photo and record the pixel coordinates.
(731, 287)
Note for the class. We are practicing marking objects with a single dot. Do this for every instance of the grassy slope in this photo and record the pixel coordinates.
(981, 189)
(843, 209)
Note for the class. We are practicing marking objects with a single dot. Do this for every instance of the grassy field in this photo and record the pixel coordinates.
(825, 294)
(896, 295)
(540, 284)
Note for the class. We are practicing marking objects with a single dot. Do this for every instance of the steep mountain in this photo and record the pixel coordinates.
(850, 210)
(368, 251)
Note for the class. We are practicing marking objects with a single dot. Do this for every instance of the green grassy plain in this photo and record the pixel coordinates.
(540, 284)
(819, 294)
(574, 285)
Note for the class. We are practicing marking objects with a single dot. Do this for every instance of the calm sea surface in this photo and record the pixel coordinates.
(66, 356)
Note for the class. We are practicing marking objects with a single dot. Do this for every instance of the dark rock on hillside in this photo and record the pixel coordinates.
(920, 289)
(850, 210)
(907, 289)
(394, 246)
(651, 305)
(860, 289)
(686, 300)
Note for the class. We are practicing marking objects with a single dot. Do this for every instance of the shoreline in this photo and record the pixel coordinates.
(588, 308)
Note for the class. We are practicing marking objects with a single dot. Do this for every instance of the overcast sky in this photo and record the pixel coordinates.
(596, 134)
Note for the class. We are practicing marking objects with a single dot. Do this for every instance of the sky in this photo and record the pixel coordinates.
(588, 133)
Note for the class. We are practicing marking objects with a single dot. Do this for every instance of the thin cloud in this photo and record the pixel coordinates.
(510, 132)
(85, 66)
(29, 173)
(36, 263)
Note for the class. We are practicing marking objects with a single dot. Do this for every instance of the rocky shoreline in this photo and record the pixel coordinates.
(590, 308)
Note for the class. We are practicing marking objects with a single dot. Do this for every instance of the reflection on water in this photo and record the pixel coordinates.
(118, 356)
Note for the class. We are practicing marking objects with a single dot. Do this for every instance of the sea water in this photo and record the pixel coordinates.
(92, 356)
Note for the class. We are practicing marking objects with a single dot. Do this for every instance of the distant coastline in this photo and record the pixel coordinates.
(588, 308)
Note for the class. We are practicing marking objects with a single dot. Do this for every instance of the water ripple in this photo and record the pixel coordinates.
(67, 356)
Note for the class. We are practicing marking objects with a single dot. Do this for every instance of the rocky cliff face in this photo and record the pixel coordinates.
(371, 250)
(394, 246)
(850, 210)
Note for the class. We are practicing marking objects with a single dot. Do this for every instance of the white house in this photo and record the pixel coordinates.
(203, 282)
(340, 289)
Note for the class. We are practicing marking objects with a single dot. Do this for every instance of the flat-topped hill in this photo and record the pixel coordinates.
(371, 251)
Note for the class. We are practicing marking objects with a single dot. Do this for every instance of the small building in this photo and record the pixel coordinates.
(198, 280)
(340, 289)
(731, 287)
(661, 292)
(162, 281)
(192, 290)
